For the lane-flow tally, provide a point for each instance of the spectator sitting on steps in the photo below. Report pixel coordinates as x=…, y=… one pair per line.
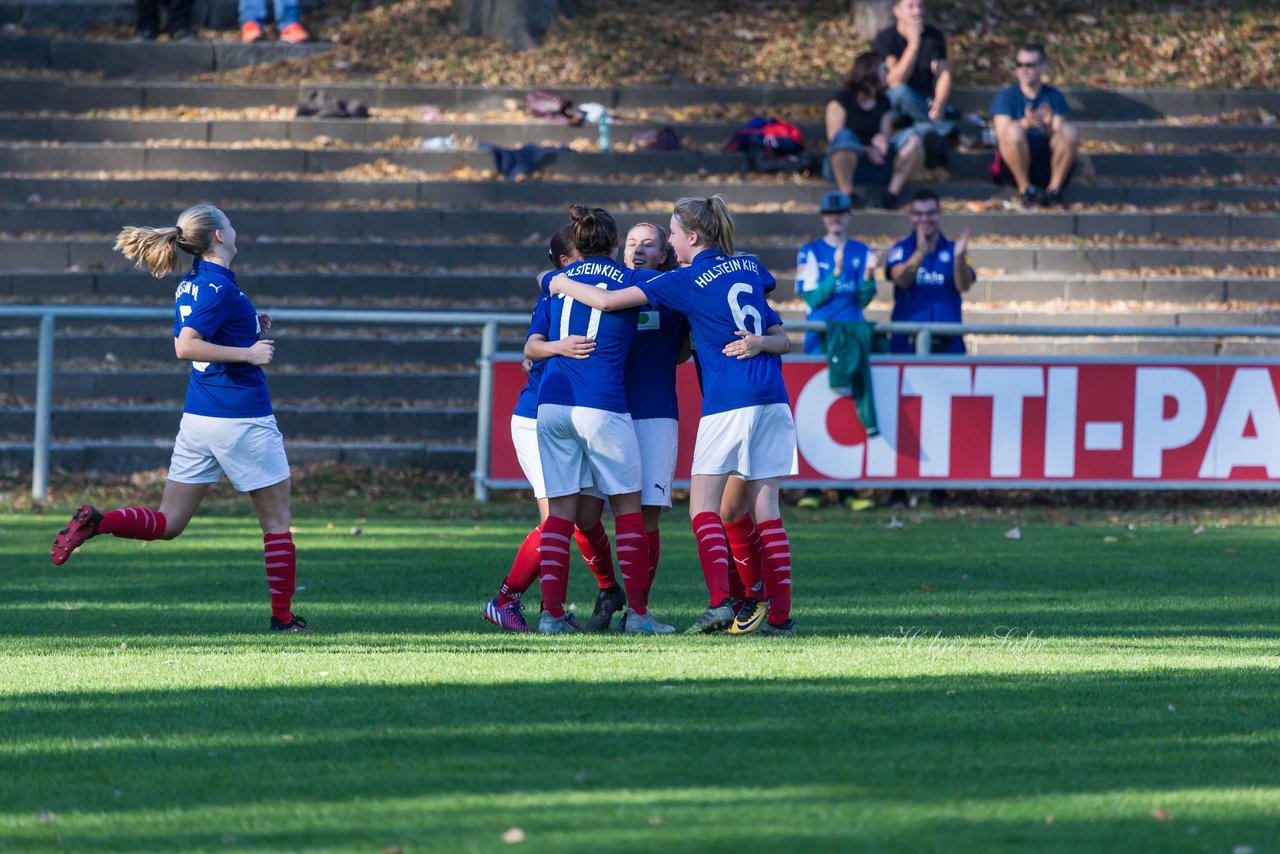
x=179, y=23
x=860, y=147
x=253, y=14
x=919, y=78
x=1037, y=143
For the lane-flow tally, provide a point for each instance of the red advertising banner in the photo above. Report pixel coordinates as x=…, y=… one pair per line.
x=998, y=422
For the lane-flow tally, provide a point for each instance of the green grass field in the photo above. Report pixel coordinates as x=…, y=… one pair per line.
x=1086, y=687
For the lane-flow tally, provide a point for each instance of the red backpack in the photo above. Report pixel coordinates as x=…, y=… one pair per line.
x=778, y=138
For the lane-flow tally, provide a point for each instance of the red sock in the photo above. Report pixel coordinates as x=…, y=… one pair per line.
x=713, y=555
x=655, y=549
x=777, y=569
x=633, y=559
x=553, y=548
x=594, y=545
x=133, y=523
x=282, y=573
x=523, y=570
x=744, y=545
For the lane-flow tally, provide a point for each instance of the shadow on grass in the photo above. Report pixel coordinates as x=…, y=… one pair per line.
x=547, y=754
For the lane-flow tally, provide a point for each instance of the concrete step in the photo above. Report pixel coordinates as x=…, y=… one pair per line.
x=651, y=193
x=28, y=158
x=19, y=93
x=535, y=211
x=23, y=252
x=117, y=456
x=138, y=59
x=463, y=291
x=292, y=351
x=70, y=128
x=73, y=387
x=347, y=422
x=71, y=16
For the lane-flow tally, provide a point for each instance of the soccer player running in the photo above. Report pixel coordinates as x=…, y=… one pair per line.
x=504, y=610
x=746, y=426
x=227, y=421
x=585, y=435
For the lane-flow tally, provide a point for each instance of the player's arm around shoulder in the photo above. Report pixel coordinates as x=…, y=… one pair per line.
x=593, y=297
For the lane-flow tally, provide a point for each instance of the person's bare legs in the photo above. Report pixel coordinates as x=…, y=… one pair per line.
x=179, y=503
x=843, y=164
x=906, y=163
x=1016, y=154
x=1062, y=146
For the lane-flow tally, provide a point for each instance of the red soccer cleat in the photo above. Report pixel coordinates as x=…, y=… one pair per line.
x=82, y=526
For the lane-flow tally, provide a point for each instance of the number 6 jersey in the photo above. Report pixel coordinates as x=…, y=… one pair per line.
x=721, y=294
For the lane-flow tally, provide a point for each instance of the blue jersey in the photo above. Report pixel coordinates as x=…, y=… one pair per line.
x=1012, y=101
x=209, y=302
x=933, y=298
x=539, y=324
x=651, y=365
x=815, y=262
x=721, y=294
x=596, y=382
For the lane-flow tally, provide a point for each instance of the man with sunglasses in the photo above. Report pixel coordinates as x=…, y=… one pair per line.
x=1037, y=143
x=929, y=273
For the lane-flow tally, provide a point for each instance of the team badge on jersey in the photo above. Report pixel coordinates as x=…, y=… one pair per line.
x=944, y=256
x=650, y=319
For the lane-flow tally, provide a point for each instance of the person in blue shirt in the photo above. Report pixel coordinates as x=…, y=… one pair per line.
x=228, y=426
x=1037, y=143
x=504, y=610
x=929, y=273
x=661, y=343
x=586, y=438
x=746, y=426
x=834, y=266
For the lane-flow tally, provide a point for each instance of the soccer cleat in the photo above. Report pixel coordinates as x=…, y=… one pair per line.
x=750, y=617
x=295, y=624
x=83, y=525
x=508, y=617
x=294, y=34
x=713, y=619
x=633, y=623
x=250, y=31
x=610, y=600
x=550, y=625
x=785, y=630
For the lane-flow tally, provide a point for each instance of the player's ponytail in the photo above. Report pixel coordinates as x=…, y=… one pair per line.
x=710, y=219
x=594, y=231
x=156, y=249
x=561, y=246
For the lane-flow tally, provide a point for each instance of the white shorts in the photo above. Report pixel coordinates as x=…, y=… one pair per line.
x=658, y=438
x=524, y=435
x=250, y=451
x=582, y=447
x=756, y=442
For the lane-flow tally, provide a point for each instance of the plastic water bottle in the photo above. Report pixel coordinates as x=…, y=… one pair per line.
x=605, y=140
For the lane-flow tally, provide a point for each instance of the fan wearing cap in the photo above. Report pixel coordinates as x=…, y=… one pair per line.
x=835, y=274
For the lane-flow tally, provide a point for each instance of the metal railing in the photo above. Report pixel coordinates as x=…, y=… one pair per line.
x=489, y=323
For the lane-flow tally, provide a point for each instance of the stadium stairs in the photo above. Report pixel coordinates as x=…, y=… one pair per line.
x=1175, y=223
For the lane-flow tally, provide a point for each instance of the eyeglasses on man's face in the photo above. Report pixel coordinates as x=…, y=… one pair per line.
x=1035, y=64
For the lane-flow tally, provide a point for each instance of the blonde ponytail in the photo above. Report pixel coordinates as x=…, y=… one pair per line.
x=156, y=249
